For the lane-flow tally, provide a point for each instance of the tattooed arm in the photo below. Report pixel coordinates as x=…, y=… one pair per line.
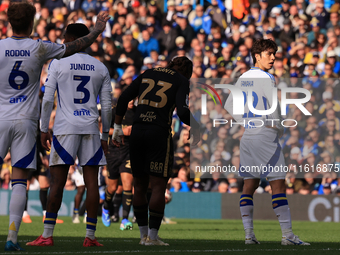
x=86, y=41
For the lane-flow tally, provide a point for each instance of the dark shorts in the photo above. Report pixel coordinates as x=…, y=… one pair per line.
x=118, y=161
x=40, y=171
x=151, y=151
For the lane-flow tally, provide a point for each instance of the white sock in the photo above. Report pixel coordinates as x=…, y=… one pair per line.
x=44, y=213
x=48, y=230
x=25, y=213
x=90, y=233
x=247, y=219
x=143, y=231
x=283, y=215
x=16, y=209
x=153, y=233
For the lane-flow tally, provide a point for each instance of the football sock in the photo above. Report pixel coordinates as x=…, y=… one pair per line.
x=16, y=208
x=143, y=230
x=43, y=198
x=49, y=224
x=75, y=211
x=247, y=208
x=155, y=220
x=108, y=199
x=141, y=214
x=26, y=201
x=153, y=233
x=281, y=209
x=117, y=201
x=127, y=201
x=91, y=224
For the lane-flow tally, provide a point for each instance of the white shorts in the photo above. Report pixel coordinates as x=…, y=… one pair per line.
x=78, y=178
x=20, y=136
x=261, y=157
x=65, y=149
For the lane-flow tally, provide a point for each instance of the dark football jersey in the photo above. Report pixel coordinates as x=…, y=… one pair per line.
x=159, y=91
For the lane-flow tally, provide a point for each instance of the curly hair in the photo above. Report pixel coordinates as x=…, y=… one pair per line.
x=183, y=65
x=262, y=45
x=21, y=16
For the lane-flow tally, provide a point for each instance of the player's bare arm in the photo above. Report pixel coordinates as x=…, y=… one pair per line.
x=86, y=41
x=104, y=146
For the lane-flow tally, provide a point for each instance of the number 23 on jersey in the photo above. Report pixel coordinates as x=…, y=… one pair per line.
x=151, y=84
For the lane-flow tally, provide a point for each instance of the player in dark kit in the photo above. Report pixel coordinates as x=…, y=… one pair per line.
x=118, y=165
x=159, y=92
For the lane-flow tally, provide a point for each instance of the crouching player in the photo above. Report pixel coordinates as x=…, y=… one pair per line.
x=78, y=80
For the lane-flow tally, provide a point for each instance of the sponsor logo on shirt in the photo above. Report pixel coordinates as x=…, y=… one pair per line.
x=149, y=116
x=82, y=112
x=18, y=99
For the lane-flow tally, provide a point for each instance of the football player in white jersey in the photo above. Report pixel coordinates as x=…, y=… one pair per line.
x=21, y=60
x=260, y=150
x=78, y=80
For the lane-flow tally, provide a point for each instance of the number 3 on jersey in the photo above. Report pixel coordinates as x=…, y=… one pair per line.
x=17, y=73
x=164, y=99
x=81, y=88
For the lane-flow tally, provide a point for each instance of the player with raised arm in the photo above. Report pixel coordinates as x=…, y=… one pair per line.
x=78, y=80
x=21, y=60
x=159, y=91
x=259, y=145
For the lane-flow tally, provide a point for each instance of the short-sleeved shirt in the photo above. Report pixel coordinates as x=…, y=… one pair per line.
x=260, y=84
x=78, y=80
x=21, y=60
x=159, y=91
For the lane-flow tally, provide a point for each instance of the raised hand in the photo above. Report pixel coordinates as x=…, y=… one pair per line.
x=102, y=18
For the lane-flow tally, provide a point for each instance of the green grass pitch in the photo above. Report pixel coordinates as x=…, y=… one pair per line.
x=188, y=236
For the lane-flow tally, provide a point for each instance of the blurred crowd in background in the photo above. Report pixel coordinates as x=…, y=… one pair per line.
x=217, y=36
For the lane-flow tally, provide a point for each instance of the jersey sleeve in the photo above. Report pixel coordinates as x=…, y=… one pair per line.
x=182, y=105
x=52, y=50
x=130, y=93
x=48, y=99
x=105, y=102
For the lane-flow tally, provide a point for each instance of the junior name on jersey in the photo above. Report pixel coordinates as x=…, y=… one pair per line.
x=85, y=67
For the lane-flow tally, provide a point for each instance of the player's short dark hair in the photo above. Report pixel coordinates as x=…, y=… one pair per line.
x=21, y=15
x=183, y=65
x=262, y=45
x=77, y=30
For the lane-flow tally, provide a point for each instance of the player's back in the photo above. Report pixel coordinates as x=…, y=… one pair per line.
x=157, y=97
x=80, y=79
x=260, y=84
x=21, y=60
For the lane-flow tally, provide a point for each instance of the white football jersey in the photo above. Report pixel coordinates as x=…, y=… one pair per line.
x=260, y=84
x=78, y=80
x=21, y=60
